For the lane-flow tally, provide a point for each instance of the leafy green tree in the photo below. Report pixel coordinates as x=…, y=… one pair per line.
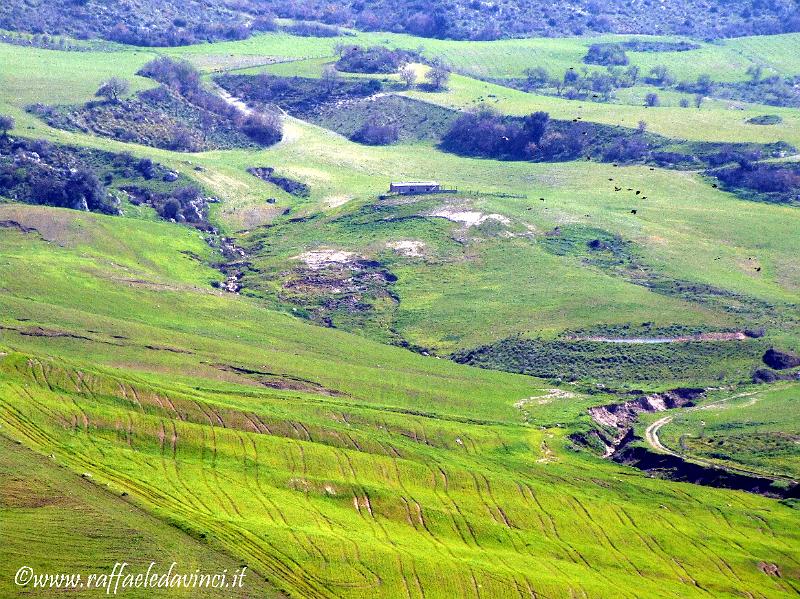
x=755, y=71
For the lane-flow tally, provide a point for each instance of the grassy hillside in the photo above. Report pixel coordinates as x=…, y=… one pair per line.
x=328, y=464
x=45, y=508
x=309, y=424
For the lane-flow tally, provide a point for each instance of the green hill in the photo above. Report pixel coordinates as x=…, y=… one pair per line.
x=258, y=356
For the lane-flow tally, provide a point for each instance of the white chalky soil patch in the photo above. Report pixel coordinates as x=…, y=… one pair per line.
x=468, y=217
x=317, y=259
x=407, y=247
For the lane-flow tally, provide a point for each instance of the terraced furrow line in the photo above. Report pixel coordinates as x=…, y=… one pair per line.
x=457, y=508
x=341, y=535
x=444, y=502
x=602, y=534
x=441, y=547
x=56, y=417
x=634, y=526
x=318, y=515
x=397, y=549
x=215, y=473
x=678, y=567
x=483, y=499
x=172, y=504
x=193, y=497
x=499, y=509
x=172, y=407
x=218, y=498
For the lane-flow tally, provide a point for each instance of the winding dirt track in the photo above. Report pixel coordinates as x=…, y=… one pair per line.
x=651, y=432
x=651, y=436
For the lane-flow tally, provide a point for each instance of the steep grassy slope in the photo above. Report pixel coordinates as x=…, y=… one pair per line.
x=53, y=520
x=331, y=465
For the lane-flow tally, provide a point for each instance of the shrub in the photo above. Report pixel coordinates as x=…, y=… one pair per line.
x=377, y=59
x=438, y=77
x=178, y=74
x=408, y=75
x=263, y=128
x=6, y=124
x=536, y=77
x=651, y=99
x=660, y=75
x=375, y=133
x=486, y=133
x=309, y=29
x=606, y=54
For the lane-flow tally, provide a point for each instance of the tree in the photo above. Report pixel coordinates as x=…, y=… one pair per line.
x=684, y=103
x=375, y=133
x=408, y=76
x=6, y=124
x=602, y=84
x=704, y=84
x=660, y=75
x=438, y=76
x=264, y=128
x=535, y=125
x=536, y=77
x=698, y=100
x=633, y=74
x=755, y=71
x=330, y=78
x=651, y=99
x=113, y=89
x=606, y=54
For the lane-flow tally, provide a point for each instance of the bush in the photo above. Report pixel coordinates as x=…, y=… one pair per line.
x=536, y=77
x=80, y=190
x=408, y=75
x=660, y=75
x=178, y=74
x=486, y=133
x=377, y=59
x=263, y=128
x=308, y=29
x=651, y=99
x=7, y=123
x=438, y=76
x=374, y=133
x=780, y=181
x=606, y=54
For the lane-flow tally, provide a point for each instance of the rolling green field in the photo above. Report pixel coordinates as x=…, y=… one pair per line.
x=344, y=466
x=282, y=427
